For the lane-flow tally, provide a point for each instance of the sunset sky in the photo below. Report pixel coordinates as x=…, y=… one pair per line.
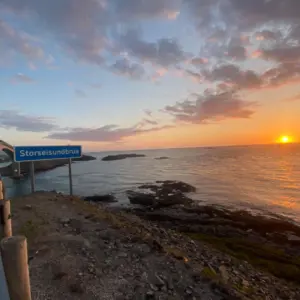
x=132, y=74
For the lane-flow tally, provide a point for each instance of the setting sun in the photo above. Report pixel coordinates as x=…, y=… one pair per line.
x=285, y=139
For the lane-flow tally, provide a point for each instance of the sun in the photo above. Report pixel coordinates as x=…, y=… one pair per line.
x=285, y=139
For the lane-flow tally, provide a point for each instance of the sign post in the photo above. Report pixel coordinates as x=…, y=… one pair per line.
x=70, y=177
x=32, y=177
x=39, y=153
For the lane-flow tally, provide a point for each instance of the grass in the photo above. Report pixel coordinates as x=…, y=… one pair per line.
x=266, y=257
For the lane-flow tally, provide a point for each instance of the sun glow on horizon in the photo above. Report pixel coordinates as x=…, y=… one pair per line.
x=285, y=139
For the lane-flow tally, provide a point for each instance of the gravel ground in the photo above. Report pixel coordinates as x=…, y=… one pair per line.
x=81, y=251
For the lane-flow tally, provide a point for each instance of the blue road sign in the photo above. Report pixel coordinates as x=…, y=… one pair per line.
x=36, y=153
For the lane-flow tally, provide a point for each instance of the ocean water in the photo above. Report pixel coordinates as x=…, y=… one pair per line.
x=264, y=179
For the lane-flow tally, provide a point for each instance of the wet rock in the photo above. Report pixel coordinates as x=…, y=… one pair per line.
x=109, y=198
x=163, y=194
x=141, y=198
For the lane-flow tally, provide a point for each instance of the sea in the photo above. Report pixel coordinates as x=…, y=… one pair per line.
x=264, y=179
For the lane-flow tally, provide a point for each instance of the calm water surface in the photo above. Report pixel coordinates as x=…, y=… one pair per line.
x=261, y=178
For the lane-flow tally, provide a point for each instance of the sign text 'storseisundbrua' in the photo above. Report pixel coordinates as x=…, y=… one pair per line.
x=35, y=153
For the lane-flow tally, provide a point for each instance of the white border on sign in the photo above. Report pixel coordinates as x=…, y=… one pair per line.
x=47, y=158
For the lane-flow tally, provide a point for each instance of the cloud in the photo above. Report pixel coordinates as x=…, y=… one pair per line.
x=232, y=74
x=108, y=133
x=149, y=122
x=137, y=9
x=237, y=52
x=281, y=74
x=165, y=52
x=196, y=77
x=80, y=29
x=80, y=93
x=294, y=98
x=18, y=42
x=211, y=108
x=148, y=112
x=21, y=78
x=129, y=69
x=199, y=61
x=283, y=54
x=267, y=35
x=10, y=119
x=158, y=74
x=84, y=30
x=96, y=85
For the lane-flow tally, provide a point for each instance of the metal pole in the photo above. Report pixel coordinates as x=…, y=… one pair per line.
x=70, y=176
x=32, y=177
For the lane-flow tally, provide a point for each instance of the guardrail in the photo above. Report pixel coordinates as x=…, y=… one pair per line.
x=14, y=255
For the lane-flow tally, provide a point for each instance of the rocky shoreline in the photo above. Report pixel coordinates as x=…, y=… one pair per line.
x=164, y=246
x=269, y=243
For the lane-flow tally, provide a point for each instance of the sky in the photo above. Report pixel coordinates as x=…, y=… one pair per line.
x=133, y=74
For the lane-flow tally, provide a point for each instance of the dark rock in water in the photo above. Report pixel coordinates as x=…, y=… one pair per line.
x=163, y=194
x=169, y=186
x=85, y=158
x=121, y=156
x=162, y=157
x=101, y=198
x=141, y=198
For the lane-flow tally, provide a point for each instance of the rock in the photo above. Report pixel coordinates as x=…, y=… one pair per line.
x=121, y=156
x=76, y=287
x=85, y=157
x=170, y=284
x=164, y=194
x=162, y=157
x=65, y=221
x=28, y=207
x=109, y=198
x=141, y=198
x=245, y=283
x=293, y=238
x=159, y=281
x=224, y=273
x=177, y=186
x=76, y=225
x=150, y=295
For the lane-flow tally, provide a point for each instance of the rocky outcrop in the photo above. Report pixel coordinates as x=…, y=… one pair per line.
x=162, y=194
x=121, y=156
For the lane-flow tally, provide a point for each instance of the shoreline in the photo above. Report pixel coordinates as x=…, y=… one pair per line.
x=44, y=166
x=74, y=243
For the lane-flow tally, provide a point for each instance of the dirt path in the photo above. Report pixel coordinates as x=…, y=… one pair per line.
x=81, y=251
